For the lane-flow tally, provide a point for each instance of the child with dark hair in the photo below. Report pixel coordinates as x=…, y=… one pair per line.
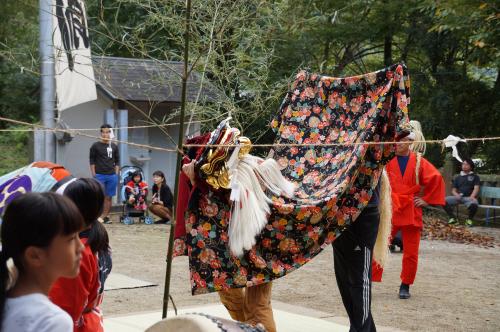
x=86, y=291
x=161, y=204
x=39, y=244
x=136, y=191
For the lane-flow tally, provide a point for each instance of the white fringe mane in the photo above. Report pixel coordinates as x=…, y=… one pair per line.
x=250, y=177
x=380, y=250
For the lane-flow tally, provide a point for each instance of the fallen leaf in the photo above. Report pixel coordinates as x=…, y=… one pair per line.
x=437, y=229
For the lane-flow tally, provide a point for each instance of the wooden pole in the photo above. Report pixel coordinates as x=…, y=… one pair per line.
x=180, y=141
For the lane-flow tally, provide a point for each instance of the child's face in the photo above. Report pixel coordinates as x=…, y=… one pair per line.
x=63, y=256
x=157, y=179
x=137, y=178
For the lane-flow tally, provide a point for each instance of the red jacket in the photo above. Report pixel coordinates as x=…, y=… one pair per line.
x=133, y=188
x=79, y=296
x=405, y=188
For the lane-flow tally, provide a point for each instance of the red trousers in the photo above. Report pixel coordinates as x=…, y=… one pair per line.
x=411, y=242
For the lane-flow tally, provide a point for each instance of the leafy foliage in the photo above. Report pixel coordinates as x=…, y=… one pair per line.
x=251, y=49
x=18, y=61
x=14, y=152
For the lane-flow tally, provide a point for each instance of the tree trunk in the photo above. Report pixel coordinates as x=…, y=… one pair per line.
x=388, y=50
x=344, y=61
x=409, y=41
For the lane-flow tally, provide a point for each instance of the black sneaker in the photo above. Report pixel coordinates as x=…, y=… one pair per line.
x=404, y=291
x=106, y=220
x=397, y=242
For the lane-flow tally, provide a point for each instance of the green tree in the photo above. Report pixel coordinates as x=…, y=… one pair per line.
x=250, y=51
x=18, y=81
x=19, y=60
x=231, y=46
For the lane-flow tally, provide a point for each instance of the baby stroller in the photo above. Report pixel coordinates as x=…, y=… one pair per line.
x=129, y=212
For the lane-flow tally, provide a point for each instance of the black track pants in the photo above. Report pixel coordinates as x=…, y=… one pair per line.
x=352, y=256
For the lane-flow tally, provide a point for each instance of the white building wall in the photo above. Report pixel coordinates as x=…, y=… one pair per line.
x=75, y=155
x=162, y=160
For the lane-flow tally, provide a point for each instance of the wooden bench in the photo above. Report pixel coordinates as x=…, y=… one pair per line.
x=491, y=194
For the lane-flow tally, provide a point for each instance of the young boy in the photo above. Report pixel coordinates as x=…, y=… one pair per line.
x=104, y=161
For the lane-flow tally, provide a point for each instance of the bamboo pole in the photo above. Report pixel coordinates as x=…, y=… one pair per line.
x=180, y=141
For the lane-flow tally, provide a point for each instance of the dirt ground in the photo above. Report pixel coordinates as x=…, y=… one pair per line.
x=457, y=286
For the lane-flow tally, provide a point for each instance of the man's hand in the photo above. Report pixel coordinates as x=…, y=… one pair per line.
x=419, y=202
x=475, y=193
x=188, y=169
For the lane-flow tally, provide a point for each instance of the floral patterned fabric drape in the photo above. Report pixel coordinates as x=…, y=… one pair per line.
x=335, y=180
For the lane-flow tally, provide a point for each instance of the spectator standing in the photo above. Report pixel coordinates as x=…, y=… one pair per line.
x=104, y=160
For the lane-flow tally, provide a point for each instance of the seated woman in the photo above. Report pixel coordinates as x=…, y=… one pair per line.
x=161, y=204
x=136, y=192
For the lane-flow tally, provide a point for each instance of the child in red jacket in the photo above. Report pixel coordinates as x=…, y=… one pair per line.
x=81, y=297
x=136, y=191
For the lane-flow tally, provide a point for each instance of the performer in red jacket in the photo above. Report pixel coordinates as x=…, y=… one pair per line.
x=415, y=183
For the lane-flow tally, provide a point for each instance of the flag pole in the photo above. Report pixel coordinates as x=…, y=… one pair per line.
x=47, y=85
x=180, y=141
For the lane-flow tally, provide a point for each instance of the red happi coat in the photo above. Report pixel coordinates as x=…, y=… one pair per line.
x=79, y=296
x=137, y=189
x=404, y=188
